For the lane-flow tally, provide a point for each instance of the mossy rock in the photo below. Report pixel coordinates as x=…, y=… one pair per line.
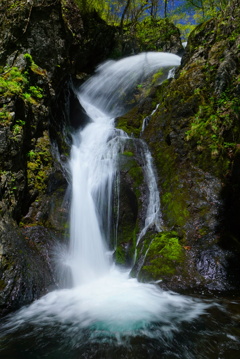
x=131, y=123
x=129, y=211
x=164, y=256
x=39, y=164
x=131, y=179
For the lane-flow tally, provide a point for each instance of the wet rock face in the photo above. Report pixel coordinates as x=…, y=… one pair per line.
x=26, y=270
x=131, y=198
x=42, y=44
x=59, y=39
x=193, y=137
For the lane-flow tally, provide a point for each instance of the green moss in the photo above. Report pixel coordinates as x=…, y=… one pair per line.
x=175, y=207
x=164, y=255
x=174, y=195
x=127, y=153
x=211, y=121
x=125, y=249
x=120, y=255
x=133, y=170
x=131, y=127
x=39, y=163
x=129, y=207
x=14, y=81
x=136, y=174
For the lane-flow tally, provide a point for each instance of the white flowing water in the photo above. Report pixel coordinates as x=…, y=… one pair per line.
x=103, y=297
x=148, y=118
x=153, y=217
x=93, y=162
x=92, y=168
x=114, y=80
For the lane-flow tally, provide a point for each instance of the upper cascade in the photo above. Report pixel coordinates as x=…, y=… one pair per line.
x=114, y=80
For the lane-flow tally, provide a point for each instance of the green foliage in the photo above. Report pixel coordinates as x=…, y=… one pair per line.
x=200, y=10
x=16, y=129
x=195, y=12
x=88, y=6
x=185, y=16
x=147, y=32
x=31, y=154
x=16, y=82
x=185, y=27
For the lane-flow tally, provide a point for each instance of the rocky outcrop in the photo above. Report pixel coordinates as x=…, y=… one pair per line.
x=42, y=44
x=194, y=139
x=27, y=271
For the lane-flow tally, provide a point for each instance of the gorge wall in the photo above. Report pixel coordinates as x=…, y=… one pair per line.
x=48, y=48
x=193, y=136
x=42, y=45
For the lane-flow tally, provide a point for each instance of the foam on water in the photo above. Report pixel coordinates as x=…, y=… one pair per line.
x=114, y=303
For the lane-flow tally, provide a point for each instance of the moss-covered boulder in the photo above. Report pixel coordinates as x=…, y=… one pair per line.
x=131, y=122
x=163, y=258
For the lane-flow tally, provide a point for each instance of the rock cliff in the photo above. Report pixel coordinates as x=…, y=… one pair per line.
x=194, y=139
x=42, y=45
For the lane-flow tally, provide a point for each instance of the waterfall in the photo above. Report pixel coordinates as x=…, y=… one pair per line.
x=153, y=215
x=104, y=305
x=94, y=159
x=114, y=81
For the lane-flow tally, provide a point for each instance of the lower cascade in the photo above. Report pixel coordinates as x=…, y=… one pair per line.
x=105, y=312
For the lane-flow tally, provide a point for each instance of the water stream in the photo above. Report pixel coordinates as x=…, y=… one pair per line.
x=105, y=313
